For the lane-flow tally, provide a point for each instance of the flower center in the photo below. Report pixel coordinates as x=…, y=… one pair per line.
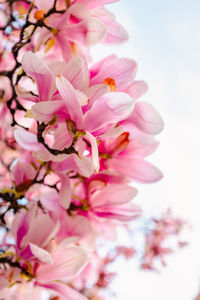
x=122, y=142
x=74, y=49
x=111, y=82
x=39, y=14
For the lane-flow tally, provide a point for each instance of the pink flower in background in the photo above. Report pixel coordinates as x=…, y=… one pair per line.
x=155, y=240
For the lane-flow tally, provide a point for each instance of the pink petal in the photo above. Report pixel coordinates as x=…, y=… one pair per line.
x=41, y=237
x=73, y=163
x=122, y=70
x=62, y=137
x=34, y=66
x=41, y=254
x=91, y=4
x=124, y=213
x=22, y=172
x=108, y=109
x=65, y=165
x=64, y=45
x=115, y=33
x=82, y=98
x=147, y=118
x=84, y=166
x=137, y=89
x=138, y=169
x=4, y=288
x=45, y=111
x=22, y=93
x=65, y=191
x=44, y=4
x=113, y=195
x=68, y=262
x=22, y=223
x=68, y=94
x=63, y=290
x=86, y=33
x=27, y=140
x=95, y=152
x=135, y=133
x=50, y=201
x=77, y=73
x=96, y=91
x=42, y=35
x=138, y=150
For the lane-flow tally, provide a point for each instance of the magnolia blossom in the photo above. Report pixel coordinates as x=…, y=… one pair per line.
x=42, y=260
x=82, y=25
x=70, y=106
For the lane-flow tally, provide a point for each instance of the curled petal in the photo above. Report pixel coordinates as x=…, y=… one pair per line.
x=38, y=70
x=147, y=118
x=41, y=254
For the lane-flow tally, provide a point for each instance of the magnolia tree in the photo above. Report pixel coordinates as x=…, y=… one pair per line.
x=73, y=136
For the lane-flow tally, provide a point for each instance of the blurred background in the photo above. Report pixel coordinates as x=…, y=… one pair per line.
x=165, y=41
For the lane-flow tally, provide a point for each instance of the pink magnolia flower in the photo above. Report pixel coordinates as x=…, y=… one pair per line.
x=76, y=26
x=115, y=33
x=119, y=75
x=26, y=230
x=128, y=158
x=111, y=202
x=68, y=261
x=107, y=110
x=50, y=265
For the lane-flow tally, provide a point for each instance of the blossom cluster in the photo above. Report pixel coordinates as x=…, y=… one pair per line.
x=156, y=248
x=73, y=137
